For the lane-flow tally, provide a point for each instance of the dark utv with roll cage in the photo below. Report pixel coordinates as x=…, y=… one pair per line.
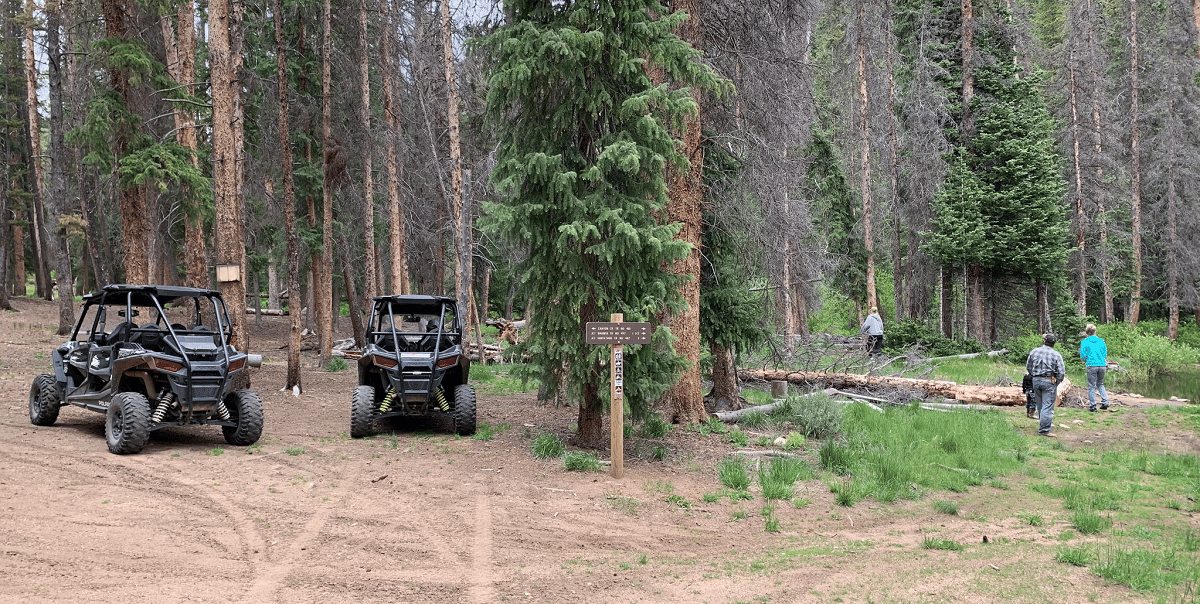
x=177, y=368
x=413, y=365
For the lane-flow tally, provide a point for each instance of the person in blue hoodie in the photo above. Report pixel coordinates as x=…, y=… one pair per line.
x=1094, y=353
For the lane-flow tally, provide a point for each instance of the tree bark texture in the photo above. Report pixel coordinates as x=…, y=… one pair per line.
x=293, y=379
x=323, y=291
x=37, y=230
x=367, y=150
x=685, y=190
x=397, y=237
x=224, y=53
x=864, y=157
x=1135, y=200
x=60, y=205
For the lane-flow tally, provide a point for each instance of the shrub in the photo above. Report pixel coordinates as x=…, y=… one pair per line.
x=818, y=415
x=911, y=332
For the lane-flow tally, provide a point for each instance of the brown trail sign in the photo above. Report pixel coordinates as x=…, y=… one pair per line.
x=616, y=334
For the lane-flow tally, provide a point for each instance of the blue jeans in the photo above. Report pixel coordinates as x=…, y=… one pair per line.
x=1045, y=391
x=1095, y=378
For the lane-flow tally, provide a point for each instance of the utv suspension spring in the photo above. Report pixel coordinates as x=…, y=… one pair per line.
x=440, y=397
x=165, y=401
x=386, y=405
x=222, y=410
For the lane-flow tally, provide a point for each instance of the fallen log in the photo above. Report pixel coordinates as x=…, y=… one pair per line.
x=992, y=395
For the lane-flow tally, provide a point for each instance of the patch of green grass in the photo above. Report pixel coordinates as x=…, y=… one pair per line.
x=1088, y=522
x=337, y=364
x=295, y=450
x=1032, y=519
x=485, y=431
x=500, y=380
x=216, y=451
x=943, y=544
x=943, y=506
x=1078, y=556
x=548, y=445
x=732, y=473
x=713, y=426
x=738, y=438
x=625, y=505
x=655, y=426
x=659, y=452
x=679, y=500
x=779, y=477
x=580, y=461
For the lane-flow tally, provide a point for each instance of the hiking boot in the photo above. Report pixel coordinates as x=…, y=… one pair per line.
x=1050, y=435
x=1091, y=409
x=1104, y=406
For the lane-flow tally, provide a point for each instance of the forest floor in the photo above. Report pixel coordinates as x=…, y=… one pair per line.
x=414, y=514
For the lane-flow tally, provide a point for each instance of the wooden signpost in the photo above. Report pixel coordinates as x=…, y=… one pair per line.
x=616, y=334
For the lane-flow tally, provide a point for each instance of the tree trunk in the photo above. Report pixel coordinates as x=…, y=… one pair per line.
x=397, y=236
x=367, y=149
x=685, y=190
x=324, y=289
x=1080, y=216
x=59, y=205
x=37, y=230
x=352, y=300
x=725, y=393
x=864, y=157
x=946, y=303
x=224, y=53
x=461, y=244
x=181, y=65
x=1135, y=204
x=591, y=418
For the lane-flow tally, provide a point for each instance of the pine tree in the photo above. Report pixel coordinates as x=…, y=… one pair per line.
x=583, y=146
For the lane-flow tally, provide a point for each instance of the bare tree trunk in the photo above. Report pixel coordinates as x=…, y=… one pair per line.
x=352, y=300
x=864, y=151
x=1098, y=145
x=1080, y=216
x=397, y=236
x=461, y=245
x=367, y=149
x=37, y=229
x=1135, y=296
x=324, y=289
x=225, y=18
x=685, y=190
x=181, y=65
x=1043, y=308
x=946, y=303
x=293, y=381
x=59, y=205
x=899, y=277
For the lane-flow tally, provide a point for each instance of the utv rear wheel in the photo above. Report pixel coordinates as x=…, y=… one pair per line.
x=362, y=405
x=127, y=423
x=464, y=409
x=246, y=408
x=44, y=401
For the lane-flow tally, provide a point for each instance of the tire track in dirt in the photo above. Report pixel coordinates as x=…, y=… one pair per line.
x=482, y=590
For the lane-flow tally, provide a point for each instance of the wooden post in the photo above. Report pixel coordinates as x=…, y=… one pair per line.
x=616, y=375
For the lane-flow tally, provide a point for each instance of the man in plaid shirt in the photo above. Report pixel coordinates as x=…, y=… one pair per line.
x=1047, y=368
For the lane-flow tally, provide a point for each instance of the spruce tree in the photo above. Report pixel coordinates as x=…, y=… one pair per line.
x=583, y=146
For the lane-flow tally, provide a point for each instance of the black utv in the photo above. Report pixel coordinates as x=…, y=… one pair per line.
x=151, y=357
x=413, y=365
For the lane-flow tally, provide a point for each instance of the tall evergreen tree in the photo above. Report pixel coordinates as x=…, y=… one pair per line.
x=584, y=143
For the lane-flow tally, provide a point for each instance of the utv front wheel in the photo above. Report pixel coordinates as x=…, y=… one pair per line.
x=127, y=423
x=464, y=409
x=44, y=401
x=246, y=407
x=361, y=407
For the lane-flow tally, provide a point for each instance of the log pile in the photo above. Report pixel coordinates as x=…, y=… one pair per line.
x=964, y=393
